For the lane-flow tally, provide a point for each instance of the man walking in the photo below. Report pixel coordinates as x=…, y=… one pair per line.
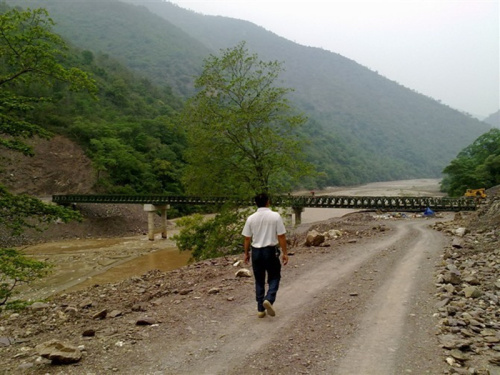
x=263, y=231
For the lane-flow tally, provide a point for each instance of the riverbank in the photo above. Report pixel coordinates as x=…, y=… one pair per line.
x=111, y=244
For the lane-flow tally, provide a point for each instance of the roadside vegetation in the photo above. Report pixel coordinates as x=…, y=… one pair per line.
x=31, y=56
x=242, y=140
x=476, y=166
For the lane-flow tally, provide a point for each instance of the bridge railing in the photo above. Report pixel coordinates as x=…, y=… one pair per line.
x=414, y=204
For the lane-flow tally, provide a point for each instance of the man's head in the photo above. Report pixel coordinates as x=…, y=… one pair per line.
x=261, y=200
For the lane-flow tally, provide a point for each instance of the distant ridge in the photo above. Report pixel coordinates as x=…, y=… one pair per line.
x=493, y=119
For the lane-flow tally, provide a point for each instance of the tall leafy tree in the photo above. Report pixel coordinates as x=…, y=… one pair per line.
x=30, y=56
x=241, y=128
x=476, y=166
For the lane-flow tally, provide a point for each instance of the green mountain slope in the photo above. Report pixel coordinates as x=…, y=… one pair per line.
x=398, y=132
x=363, y=126
x=132, y=34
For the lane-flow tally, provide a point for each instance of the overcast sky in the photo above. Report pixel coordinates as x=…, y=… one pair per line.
x=446, y=49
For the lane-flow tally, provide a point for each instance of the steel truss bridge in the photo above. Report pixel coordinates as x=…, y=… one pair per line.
x=401, y=204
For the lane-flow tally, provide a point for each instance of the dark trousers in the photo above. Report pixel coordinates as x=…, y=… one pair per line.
x=266, y=260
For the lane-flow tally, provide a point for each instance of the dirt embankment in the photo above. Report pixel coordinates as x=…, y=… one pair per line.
x=58, y=167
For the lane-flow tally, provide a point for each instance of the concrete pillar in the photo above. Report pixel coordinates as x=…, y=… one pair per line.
x=298, y=214
x=164, y=221
x=151, y=209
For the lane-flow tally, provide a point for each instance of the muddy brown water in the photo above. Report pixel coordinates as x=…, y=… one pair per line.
x=77, y=264
x=163, y=260
x=81, y=263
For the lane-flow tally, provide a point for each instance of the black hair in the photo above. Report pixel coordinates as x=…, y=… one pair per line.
x=261, y=200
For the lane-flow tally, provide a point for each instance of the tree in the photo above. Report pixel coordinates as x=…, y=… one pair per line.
x=30, y=56
x=16, y=269
x=476, y=166
x=242, y=136
x=212, y=237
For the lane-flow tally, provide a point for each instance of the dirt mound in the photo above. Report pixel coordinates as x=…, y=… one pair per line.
x=487, y=217
x=59, y=167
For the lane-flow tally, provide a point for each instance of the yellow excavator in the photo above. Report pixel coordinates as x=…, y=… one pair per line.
x=475, y=193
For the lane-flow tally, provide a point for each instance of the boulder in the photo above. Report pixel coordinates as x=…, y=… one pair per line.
x=472, y=292
x=452, y=277
x=460, y=232
x=457, y=243
x=314, y=238
x=59, y=352
x=37, y=306
x=334, y=233
x=244, y=272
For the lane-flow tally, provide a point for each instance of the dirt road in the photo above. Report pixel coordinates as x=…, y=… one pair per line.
x=362, y=306
x=365, y=308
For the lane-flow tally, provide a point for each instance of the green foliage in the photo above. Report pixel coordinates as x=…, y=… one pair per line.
x=212, y=237
x=128, y=133
x=241, y=129
x=18, y=212
x=17, y=269
x=30, y=55
x=476, y=166
x=142, y=156
x=16, y=305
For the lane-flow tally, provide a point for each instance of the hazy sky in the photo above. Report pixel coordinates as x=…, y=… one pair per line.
x=446, y=49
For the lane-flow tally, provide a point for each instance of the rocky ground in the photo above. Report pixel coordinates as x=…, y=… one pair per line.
x=469, y=291
x=118, y=328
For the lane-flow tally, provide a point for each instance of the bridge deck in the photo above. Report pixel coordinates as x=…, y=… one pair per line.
x=405, y=204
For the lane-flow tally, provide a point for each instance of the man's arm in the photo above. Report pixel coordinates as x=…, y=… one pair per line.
x=246, y=246
x=282, y=241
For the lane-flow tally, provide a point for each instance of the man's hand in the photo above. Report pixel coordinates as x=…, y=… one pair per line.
x=285, y=259
x=282, y=241
x=246, y=247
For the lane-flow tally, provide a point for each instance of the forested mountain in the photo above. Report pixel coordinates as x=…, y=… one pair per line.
x=363, y=127
x=126, y=128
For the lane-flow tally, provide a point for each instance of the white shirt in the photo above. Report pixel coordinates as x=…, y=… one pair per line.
x=264, y=226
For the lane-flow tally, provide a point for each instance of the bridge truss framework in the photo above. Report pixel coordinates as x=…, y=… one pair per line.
x=161, y=203
x=404, y=204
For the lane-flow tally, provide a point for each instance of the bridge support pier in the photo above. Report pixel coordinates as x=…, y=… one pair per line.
x=151, y=209
x=298, y=214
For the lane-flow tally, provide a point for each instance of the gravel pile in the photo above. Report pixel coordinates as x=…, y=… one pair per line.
x=469, y=289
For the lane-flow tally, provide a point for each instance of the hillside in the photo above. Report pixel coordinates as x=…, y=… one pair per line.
x=493, y=119
x=363, y=127
x=382, y=119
